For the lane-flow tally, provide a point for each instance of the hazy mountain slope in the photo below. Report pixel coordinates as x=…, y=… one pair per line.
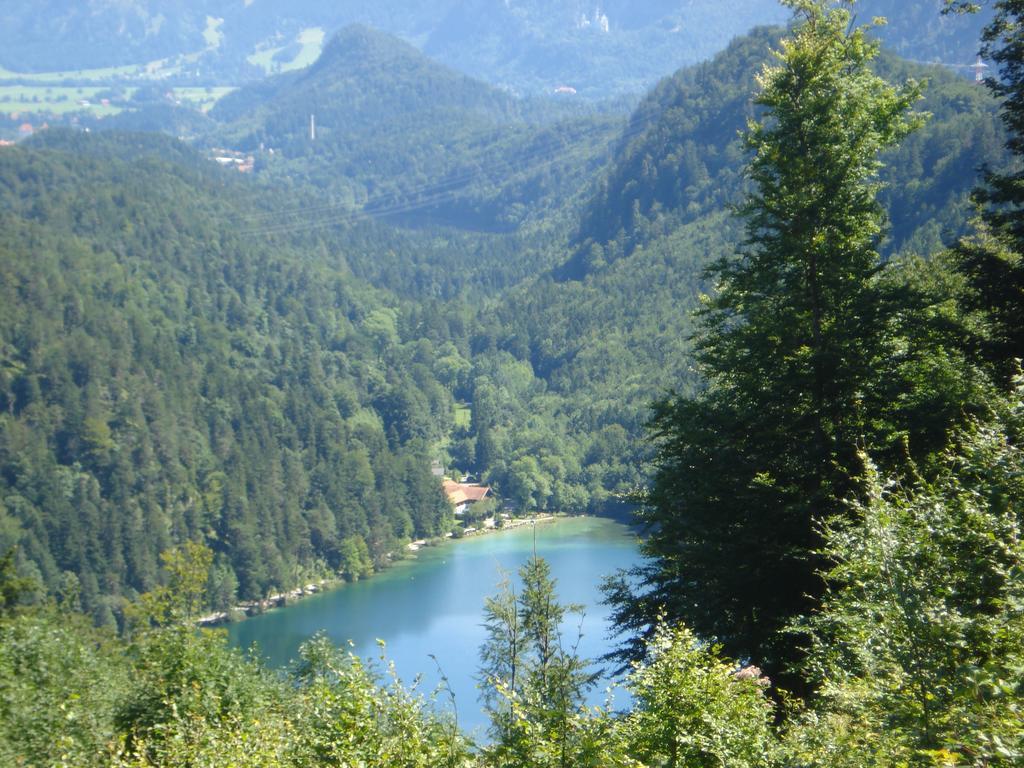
x=403, y=136
x=683, y=156
x=919, y=31
x=48, y=35
x=362, y=78
x=598, y=47
x=595, y=47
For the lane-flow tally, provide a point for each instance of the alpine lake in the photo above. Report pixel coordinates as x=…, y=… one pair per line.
x=425, y=614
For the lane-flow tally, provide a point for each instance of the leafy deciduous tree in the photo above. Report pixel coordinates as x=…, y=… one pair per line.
x=919, y=647
x=693, y=709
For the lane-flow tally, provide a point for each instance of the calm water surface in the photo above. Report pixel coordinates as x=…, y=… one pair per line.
x=433, y=605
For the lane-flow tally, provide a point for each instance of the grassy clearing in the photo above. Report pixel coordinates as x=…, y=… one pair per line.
x=312, y=42
x=202, y=98
x=97, y=75
x=463, y=415
x=153, y=70
x=264, y=59
x=53, y=99
x=60, y=100
x=213, y=34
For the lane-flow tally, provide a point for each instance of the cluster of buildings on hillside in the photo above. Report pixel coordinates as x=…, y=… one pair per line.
x=25, y=129
x=228, y=158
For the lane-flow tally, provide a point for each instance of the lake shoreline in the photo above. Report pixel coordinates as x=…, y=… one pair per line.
x=429, y=611
x=252, y=608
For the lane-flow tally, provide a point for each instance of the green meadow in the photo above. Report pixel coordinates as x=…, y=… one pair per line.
x=312, y=42
x=53, y=99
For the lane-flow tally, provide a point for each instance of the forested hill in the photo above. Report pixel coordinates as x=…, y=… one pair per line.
x=682, y=156
x=404, y=136
x=920, y=32
x=362, y=78
x=163, y=377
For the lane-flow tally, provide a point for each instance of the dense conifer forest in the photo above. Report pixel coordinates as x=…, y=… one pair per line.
x=166, y=379
x=773, y=308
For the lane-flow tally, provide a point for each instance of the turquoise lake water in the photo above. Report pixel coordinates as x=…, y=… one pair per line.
x=433, y=604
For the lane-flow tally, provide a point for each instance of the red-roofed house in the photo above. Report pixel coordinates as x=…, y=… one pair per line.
x=463, y=495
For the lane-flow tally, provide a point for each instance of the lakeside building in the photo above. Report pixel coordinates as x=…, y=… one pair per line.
x=464, y=495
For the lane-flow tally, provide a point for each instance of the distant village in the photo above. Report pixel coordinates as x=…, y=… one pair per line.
x=24, y=129
x=240, y=161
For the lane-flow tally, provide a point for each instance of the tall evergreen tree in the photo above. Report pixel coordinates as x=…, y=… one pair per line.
x=794, y=348
x=532, y=683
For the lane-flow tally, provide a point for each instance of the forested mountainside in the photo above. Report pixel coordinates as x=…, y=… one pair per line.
x=348, y=78
x=167, y=378
x=597, y=48
x=683, y=155
x=919, y=31
x=219, y=332
x=834, y=559
x=608, y=331
x=374, y=123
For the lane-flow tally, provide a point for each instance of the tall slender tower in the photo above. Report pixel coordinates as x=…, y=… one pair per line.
x=312, y=127
x=979, y=70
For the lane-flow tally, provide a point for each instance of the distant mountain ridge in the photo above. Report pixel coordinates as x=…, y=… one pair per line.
x=48, y=35
x=361, y=78
x=597, y=47
x=593, y=46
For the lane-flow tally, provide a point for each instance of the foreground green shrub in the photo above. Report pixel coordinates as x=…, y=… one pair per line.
x=694, y=710
x=919, y=648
